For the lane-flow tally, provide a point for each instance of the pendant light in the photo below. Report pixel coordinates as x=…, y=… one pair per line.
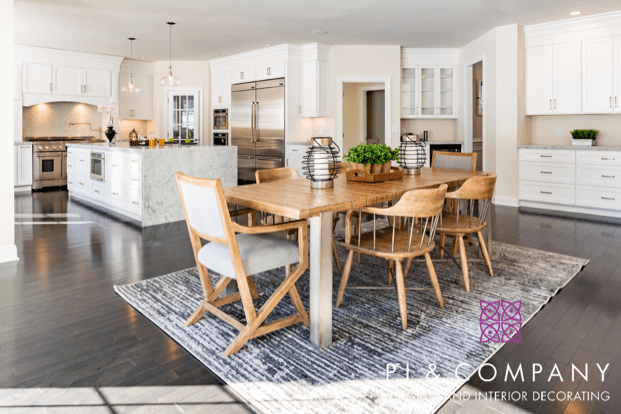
x=130, y=86
x=170, y=79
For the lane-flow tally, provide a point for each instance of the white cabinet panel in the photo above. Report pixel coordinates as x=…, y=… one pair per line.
x=548, y=193
x=82, y=163
x=23, y=161
x=135, y=180
x=409, y=92
x=447, y=92
x=597, y=76
x=71, y=182
x=617, y=73
x=67, y=80
x=142, y=100
x=548, y=172
x=99, y=190
x=135, y=202
x=539, y=80
x=600, y=176
x=548, y=156
x=37, y=78
x=567, y=78
x=607, y=198
x=135, y=161
x=271, y=71
x=117, y=194
x=116, y=166
x=243, y=75
x=221, y=90
x=314, y=80
x=98, y=82
x=83, y=185
x=599, y=158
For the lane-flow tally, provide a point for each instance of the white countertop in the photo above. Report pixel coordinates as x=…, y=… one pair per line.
x=22, y=143
x=125, y=147
x=569, y=147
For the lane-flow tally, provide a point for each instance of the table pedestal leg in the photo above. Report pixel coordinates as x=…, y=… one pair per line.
x=321, y=280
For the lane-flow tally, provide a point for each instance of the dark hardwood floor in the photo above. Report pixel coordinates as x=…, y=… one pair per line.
x=62, y=325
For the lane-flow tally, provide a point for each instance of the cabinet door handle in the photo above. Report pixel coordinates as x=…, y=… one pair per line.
x=608, y=176
x=241, y=75
x=545, y=156
x=550, y=104
x=610, y=100
x=219, y=99
x=555, y=104
x=546, y=192
x=608, y=159
x=608, y=198
x=135, y=202
x=416, y=110
x=300, y=110
x=616, y=103
x=135, y=179
x=269, y=71
x=546, y=172
x=134, y=160
x=50, y=86
x=287, y=162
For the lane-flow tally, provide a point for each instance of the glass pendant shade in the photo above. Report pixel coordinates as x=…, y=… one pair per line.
x=130, y=86
x=170, y=79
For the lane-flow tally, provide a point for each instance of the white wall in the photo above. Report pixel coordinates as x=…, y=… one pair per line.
x=8, y=251
x=544, y=128
x=191, y=73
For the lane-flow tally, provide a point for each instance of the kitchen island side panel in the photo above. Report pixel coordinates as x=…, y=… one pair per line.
x=160, y=195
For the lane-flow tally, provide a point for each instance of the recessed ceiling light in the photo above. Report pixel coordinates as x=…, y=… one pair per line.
x=319, y=32
x=575, y=13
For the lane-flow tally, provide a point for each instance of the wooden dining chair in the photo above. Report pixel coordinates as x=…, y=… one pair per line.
x=459, y=225
x=396, y=245
x=237, y=252
x=288, y=173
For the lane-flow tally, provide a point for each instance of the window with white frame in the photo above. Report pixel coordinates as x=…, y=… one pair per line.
x=183, y=120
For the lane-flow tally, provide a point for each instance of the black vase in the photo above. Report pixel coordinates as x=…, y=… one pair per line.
x=110, y=133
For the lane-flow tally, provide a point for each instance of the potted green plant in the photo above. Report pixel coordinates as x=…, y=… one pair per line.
x=371, y=157
x=583, y=137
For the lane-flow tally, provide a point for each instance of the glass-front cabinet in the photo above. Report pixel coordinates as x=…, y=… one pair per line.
x=428, y=92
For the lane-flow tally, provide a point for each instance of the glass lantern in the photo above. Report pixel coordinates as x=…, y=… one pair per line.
x=321, y=162
x=412, y=151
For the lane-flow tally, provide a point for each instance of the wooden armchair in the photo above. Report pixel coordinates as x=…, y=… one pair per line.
x=397, y=245
x=461, y=225
x=238, y=256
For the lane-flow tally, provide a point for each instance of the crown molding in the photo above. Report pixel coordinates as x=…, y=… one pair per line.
x=274, y=52
x=33, y=54
x=429, y=56
x=573, y=24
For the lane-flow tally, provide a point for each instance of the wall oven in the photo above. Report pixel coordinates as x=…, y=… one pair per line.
x=98, y=165
x=220, y=138
x=220, y=119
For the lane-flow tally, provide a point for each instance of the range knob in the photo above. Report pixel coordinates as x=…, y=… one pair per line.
x=46, y=147
x=40, y=147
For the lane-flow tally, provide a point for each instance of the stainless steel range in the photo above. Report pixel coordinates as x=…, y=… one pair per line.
x=49, y=160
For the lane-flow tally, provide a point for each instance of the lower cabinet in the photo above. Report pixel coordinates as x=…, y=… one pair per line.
x=584, y=181
x=294, y=157
x=22, y=166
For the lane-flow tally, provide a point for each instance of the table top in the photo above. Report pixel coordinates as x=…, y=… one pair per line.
x=296, y=200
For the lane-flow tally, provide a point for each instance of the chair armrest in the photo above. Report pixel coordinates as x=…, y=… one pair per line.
x=272, y=228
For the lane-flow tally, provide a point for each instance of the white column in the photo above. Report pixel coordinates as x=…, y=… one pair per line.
x=321, y=280
x=8, y=251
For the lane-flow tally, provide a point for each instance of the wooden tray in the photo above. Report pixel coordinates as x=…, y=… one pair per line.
x=366, y=177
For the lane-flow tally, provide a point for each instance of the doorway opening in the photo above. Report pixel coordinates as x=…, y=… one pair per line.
x=475, y=111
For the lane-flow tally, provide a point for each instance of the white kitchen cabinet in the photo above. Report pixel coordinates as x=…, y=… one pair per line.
x=540, y=80
x=271, y=71
x=437, y=91
x=314, y=84
x=23, y=164
x=37, y=78
x=294, y=156
x=567, y=79
x=409, y=92
x=67, y=80
x=136, y=105
x=97, y=82
x=221, y=90
x=617, y=73
x=243, y=75
x=428, y=91
x=597, y=76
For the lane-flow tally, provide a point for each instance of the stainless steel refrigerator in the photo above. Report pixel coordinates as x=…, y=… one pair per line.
x=258, y=126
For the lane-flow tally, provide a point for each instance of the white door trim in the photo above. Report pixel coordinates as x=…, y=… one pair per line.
x=362, y=108
x=339, y=103
x=188, y=89
x=468, y=86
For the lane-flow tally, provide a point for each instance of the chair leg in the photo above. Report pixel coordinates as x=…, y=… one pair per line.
x=408, y=263
x=434, y=279
x=469, y=238
x=335, y=253
x=197, y=315
x=441, y=248
x=403, y=310
x=344, y=278
x=253, y=289
x=389, y=265
x=287, y=270
x=299, y=306
x=464, y=262
x=485, y=254
x=455, y=246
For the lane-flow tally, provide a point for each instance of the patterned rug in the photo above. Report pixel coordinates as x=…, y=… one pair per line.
x=282, y=373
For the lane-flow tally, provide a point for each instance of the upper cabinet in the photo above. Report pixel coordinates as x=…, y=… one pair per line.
x=66, y=80
x=136, y=105
x=221, y=90
x=428, y=92
x=409, y=92
x=37, y=78
x=97, y=82
x=553, y=79
x=314, y=79
x=244, y=75
x=573, y=66
x=271, y=71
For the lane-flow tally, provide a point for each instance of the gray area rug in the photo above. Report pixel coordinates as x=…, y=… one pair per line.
x=282, y=373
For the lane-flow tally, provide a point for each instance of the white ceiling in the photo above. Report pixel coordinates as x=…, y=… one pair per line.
x=208, y=29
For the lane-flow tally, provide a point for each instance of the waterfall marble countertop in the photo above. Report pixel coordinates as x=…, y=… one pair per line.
x=125, y=147
x=569, y=147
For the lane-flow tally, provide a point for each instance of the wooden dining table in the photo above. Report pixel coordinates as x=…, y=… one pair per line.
x=296, y=200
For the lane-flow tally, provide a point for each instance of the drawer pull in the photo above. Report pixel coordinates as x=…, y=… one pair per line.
x=135, y=179
x=115, y=165
x=81, y=160
x=81, y=183
x=608, y=176
x=546, y=172
x=134, y=160
x=135, y=202
x=608, y=159
x=97, y=191
x=545, y=156
x=70, y=182
x=116, y=194
x=608, y=198
x=546, y=192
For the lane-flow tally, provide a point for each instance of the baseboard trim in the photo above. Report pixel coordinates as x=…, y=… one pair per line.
x=506, y=201
x=8, y=254
x=583, y=213
x=23, y=189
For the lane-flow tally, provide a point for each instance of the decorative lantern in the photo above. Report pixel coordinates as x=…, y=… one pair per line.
x=412, y=153
x=321, y=163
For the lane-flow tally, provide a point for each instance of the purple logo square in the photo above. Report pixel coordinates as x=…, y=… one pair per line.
x=501, y=321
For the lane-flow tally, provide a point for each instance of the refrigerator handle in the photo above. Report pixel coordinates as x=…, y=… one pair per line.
x=252, y=124
x=256, y=121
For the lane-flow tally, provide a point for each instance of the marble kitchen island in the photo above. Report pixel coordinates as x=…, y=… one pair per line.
x=139, y=182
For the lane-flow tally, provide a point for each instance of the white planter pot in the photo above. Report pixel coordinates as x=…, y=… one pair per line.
x=584, y=142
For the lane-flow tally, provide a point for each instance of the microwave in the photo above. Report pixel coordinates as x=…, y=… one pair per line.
x=220, y=139
x=220, y=119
